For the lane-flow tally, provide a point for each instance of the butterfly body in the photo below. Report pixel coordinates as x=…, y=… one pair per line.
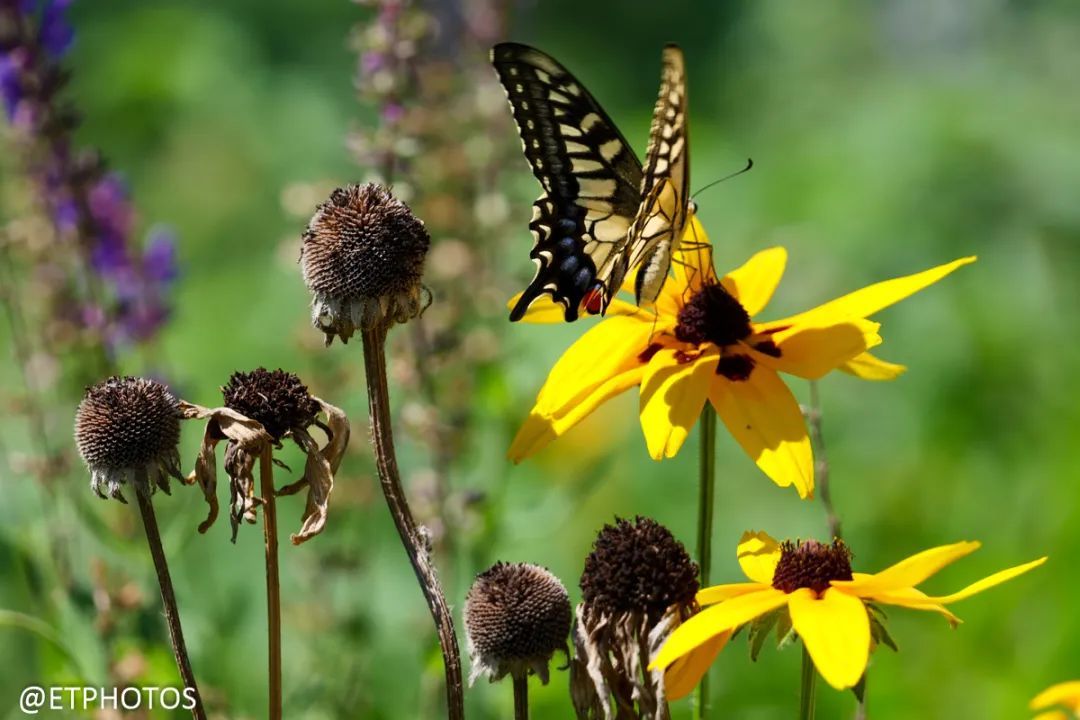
x=601, y=213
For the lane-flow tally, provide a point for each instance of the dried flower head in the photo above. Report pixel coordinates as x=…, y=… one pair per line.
x=516, y=616
x=638, y=585
x=362, y=258
x=638, y=567
x=263, y=408
x=127, y=430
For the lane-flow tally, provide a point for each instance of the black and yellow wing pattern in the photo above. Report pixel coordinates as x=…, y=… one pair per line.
x=590, y=176
x=665, y=202
x=600, y=213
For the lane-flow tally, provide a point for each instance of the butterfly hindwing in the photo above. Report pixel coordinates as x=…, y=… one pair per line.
x=590, y=175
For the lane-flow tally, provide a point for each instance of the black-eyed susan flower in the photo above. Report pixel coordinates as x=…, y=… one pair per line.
x=700, y=342
x=638, y=585
x=1058, y=702
x=263, y=408
x=829, y=605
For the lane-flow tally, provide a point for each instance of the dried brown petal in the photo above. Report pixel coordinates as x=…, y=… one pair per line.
x=319, y=470
x=243, y=434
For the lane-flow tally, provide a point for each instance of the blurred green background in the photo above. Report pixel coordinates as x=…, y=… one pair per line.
x=887, y=137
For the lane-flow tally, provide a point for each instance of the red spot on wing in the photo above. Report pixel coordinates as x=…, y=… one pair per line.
x=593, y=301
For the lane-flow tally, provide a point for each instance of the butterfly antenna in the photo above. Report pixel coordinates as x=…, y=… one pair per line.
x=749, y=164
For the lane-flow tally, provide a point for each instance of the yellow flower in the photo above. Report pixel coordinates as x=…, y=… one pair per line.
x=1066, y=695
x=700, y=341
x=827, y=603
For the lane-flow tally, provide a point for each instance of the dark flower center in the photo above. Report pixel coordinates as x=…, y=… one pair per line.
x=276, y=399
x=811, y=564
x=713, y=315
x=640, y=567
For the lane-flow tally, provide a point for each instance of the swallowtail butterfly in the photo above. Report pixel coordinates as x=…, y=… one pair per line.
x=601, y=213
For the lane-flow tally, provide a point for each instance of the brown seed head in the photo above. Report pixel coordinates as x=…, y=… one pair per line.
x=638, y=567
x=362, y=259
x=128, y=428
x=516, y=616
x=811, y=564
x=277, y=399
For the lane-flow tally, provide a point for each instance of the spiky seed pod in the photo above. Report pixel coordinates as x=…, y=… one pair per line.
x=638, y=567
x=127, y=430
x=516, y=616
x=277, y=399
x=362, y=259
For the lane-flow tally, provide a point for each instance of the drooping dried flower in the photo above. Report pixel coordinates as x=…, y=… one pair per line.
x=127, y=430
x=516, y=616
x=638, y=584
x=362, y=258
x=263, y=408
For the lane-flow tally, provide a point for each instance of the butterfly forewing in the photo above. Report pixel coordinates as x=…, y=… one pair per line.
x=659, y=223
x=591, y=179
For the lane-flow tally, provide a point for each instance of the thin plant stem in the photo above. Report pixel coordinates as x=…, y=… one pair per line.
x=807, y=687
x=521, y=697
x=168, y=598
x=821, y=461
x=821, y=474
x=706, y=491
x=273, y=583
x=416, y=545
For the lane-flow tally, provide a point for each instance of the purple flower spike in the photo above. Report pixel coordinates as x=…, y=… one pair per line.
x=10, y=87
x=56, y=32
x=159, y=258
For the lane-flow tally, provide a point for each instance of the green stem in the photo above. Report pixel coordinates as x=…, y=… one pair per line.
x=807, y=687
x=821, y=461
x=706, y=491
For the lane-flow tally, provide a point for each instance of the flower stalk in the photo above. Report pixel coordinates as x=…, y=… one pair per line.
x=706, y=493
x=807, y=687
x=273, y=584
x=374, y=341
x=168, y=601
x=821, y=461
x=521, y=697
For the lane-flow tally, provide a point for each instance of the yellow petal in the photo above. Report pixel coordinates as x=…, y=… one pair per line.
x=720, y=593
x=538, y=429
x=836, y=631
x=864, y=303
x=753, y=284
x=685, y=673
x=1066, y=694
x=810, y=351
x=1052, y=715
x=870, y=367
x=909, y=572
x=913, y=599
x=607, y=349
x=673, y=392
x=544, y=310
x=764, y=418
x=712, y=621
x=986, y=583
x=758, y=554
